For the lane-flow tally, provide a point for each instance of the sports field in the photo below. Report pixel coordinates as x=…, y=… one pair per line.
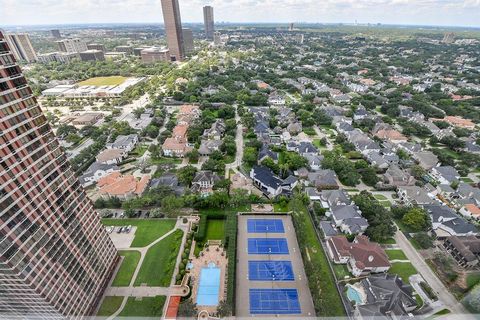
x=103, y=81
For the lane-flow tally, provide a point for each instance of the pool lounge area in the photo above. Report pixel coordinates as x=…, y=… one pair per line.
x=209, y=286
x=354, y=294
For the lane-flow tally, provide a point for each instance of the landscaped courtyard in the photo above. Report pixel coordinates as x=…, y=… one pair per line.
x=127, y=268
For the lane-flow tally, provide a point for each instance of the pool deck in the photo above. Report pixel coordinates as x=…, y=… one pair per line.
x=212, y=255
x=242, y=306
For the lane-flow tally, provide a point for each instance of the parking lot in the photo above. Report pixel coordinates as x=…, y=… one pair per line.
x=121, y=240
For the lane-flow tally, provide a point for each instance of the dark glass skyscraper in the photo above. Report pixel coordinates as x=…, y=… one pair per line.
x=173, y=28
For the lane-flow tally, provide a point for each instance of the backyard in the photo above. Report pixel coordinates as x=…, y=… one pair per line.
x=403, y=269
x=148, y=230
x=159, y=263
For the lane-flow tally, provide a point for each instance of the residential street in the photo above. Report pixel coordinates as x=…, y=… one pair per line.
x=442, y=292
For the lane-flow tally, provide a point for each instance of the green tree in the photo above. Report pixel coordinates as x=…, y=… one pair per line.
x=416, y=219
x=186, y=174
x=423, y=240
x=171, y=204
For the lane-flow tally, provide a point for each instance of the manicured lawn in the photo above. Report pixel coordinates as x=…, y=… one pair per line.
x=157, y=267
x=148, y=230
x=103, y=81
x=341, y=271
x=472, y=280
x=380, y=197
x=396, y=255
x=388, y=241
x=279, y=208
x=165, y=160
x=216, y=211
x=325, y=296
x=403, y=269
x=215, y=229
x=147, y=307
x=129, y=264
x=139, y=150
x=109, y=306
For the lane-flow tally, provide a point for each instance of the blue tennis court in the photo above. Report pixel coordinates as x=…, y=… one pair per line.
x=274, y=301
x=270, y=271
x=265, y=226
x=267, y=246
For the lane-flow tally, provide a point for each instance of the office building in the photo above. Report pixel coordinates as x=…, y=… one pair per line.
x=72, y=45
x=209, y=22
x=217, y=38
x=62, y=57
x=187, y=40
x=56, y=33
x=173, y=29
x=154, y=54
x=96, y=46
x=21, y=47
x=92, y=55
x=125, y=49
x=55, y=256
x=448, y=37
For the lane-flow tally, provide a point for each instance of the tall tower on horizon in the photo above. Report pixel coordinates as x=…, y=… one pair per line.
x=208, y=20
x=55, y=256
x=21, y=47
x=173, y=28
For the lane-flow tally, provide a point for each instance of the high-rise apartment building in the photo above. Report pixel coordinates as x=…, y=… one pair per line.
x=72, y=45
x=96, y=46
x=21, y=47
x=173, y=28
x=55, y=256
x=208, y=21
x=56, y=33
x=187, y=40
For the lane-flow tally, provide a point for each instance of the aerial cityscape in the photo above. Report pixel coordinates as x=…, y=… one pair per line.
x=284, y=167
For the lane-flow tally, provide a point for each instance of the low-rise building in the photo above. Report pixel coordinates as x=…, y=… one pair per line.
x=111, y=156
x=204, y=181
x=465, y=250
x=122, y=187
x=95, y=172
x=126, y=143
x=361, y=256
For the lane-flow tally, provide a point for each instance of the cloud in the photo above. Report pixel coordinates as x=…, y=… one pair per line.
x=441, y=12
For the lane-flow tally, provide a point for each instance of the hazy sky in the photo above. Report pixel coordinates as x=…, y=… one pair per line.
x=424, y=12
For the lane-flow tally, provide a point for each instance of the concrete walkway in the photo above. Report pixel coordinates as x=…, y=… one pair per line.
x=424, y=270
x=239, y=145
x=145, y=291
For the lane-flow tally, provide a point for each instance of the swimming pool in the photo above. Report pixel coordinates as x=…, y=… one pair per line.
x=354, y=295
x=209, y=286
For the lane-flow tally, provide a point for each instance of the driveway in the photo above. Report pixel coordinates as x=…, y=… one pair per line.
x=424, y=270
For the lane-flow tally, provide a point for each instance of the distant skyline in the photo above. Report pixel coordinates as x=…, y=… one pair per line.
x=408, y=12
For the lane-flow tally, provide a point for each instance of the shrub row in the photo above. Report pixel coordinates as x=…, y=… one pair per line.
x=231, y=246
x=202, y=228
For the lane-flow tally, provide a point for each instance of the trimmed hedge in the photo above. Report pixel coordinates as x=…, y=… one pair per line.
x=202, y=228
x=231, y=246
